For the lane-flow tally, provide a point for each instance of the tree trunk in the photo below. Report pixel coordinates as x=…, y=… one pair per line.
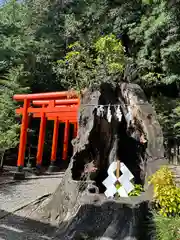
x=2, y=159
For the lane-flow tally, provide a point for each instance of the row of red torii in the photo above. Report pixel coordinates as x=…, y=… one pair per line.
x=61, y=107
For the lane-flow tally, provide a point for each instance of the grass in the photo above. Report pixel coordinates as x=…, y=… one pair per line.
x=168, y=228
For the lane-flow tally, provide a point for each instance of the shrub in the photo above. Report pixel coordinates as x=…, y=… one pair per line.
x=167, y=228
x=136, y=192
x=166, y=193
x=84, y=66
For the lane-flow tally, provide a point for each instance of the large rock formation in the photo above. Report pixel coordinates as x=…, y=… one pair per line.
x=132, y=135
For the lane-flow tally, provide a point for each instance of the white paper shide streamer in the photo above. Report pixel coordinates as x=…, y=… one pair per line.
x=129, y=117
x=118, y=114
x=100, y=111
x=109, y=115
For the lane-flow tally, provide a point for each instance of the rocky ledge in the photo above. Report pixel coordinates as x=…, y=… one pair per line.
x=115, y=122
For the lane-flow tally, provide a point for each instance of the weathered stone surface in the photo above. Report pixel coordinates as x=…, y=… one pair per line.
x=99, y=143
x=145, y=115
x=105, y=219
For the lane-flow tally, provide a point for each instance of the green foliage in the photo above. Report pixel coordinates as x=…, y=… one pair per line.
x=88, y=67
x=76, y=69
x=167, y=228
x=118, y=185
x=168, y=115
x=35, y=34
x=137, y=190
x=110, y=53
x=26, y=55
x=149, y=31
x=176, y=112
x=166, y=193
x=9, y=129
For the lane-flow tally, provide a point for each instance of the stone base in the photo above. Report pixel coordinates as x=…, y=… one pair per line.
x=29, y=166
x=38, y=170
x=19, y=175
x=1, y=169
x=52, y=168
x=109, y=220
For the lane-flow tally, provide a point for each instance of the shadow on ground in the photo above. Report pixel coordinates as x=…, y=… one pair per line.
x=111, y=220
x=14, y=227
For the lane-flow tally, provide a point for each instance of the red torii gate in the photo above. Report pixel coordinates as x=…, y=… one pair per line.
x=56, y=106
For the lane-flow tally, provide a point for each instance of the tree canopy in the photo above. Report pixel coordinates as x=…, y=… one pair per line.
x=53, y=45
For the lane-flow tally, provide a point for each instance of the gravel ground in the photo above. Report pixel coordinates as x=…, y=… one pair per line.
x=13, y=196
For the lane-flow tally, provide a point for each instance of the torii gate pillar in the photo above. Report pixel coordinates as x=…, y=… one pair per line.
x=23, y=139
x=52, y=166
x=56, y=106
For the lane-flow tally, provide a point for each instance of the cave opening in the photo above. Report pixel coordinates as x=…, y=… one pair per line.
x=131, y=151
x=97, y=151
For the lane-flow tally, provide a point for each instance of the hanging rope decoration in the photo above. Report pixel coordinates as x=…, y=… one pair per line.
x=101, y=112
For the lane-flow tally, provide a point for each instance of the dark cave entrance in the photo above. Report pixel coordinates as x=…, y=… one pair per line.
x=129, y=150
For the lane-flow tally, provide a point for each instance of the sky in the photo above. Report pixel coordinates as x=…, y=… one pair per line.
x=2, y=1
